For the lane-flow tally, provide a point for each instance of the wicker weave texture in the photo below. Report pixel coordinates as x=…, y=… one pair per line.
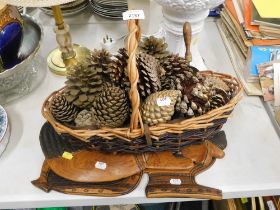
x=138, y=137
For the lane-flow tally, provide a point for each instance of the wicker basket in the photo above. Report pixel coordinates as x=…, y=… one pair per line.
x=138, y=138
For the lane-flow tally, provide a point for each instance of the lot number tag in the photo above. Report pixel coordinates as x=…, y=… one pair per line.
x=133, y=14
x=175, y=181
x=165, y=101
x=100, y=165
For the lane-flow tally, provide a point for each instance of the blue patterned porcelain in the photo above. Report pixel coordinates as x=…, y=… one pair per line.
x=4, y=130
x=11, y=34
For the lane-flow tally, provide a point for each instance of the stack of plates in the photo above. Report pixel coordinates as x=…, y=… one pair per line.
x=109, y=8
x=20, y=9
x=69, y=8
x=4, y=130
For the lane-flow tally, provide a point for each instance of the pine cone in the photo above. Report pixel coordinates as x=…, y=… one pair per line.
x=149, y=70
x=160, y=107
x=216, y=82
x=101, y=60
x=156, y=47
x=149, y=75
x=221, y=92
x=85, y=79
x=84, y=119
x=180, y=76
x=62, y=110
x=178, y=73
x=118, y=69
x=110, y=108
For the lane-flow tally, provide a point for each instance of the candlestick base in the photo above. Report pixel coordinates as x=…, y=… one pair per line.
x=58, y=66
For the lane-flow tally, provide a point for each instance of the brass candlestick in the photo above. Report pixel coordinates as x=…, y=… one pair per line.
x=66, y=54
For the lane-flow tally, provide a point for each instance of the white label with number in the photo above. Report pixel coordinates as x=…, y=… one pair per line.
x=165, y=101
x=271, y=205
x=133, y=15
x=100, y=165
x=175, y=181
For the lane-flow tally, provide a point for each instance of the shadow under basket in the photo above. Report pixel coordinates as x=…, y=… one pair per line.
x=170, y=136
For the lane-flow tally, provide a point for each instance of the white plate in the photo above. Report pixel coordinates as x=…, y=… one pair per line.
x=66, y=13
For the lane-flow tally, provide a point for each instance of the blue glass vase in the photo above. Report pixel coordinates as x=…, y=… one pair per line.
x=11, y=33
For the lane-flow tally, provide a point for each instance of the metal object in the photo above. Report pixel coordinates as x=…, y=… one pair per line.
x=4, y=130
x=67, y=54
x=32, y=36
x=56, y=63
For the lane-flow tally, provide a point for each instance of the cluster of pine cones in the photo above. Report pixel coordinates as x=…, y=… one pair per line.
x=97, y=88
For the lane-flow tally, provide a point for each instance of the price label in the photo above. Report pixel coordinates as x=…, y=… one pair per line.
x=67, y=155
x=175, y=181
x=271, y=205
x=244, y=200
x=165, y=101
x=100, y=165
x=133, y=15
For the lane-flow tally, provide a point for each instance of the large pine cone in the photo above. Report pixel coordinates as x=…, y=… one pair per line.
x=178, y=73
x=110, y=108
x=160, y=107
x=62, y=110
x=156, y=47
x=118, y=69
x=84, y=82
x=150, y=72
x=85, y=79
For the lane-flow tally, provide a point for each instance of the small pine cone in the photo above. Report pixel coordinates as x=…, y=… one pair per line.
x=101, y=59
x=216, y=82
x=84, y=119
x=156, y=47
x=221, y=92
x=233, y=85
x=62, y=110
x=219, y=98
x=160, y=107
x=110, y=109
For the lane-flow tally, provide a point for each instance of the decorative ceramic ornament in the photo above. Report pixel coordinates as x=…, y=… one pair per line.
x=11, y=33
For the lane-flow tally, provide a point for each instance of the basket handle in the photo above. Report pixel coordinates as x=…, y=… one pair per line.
x=132, y=44
x=187, y=31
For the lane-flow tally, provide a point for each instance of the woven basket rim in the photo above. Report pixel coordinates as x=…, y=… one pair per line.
x=202, y=121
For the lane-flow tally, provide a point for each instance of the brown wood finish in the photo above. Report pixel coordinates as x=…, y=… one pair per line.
x=82, y=167
x=79, y=175
x=48, y=181
x=195, y=159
